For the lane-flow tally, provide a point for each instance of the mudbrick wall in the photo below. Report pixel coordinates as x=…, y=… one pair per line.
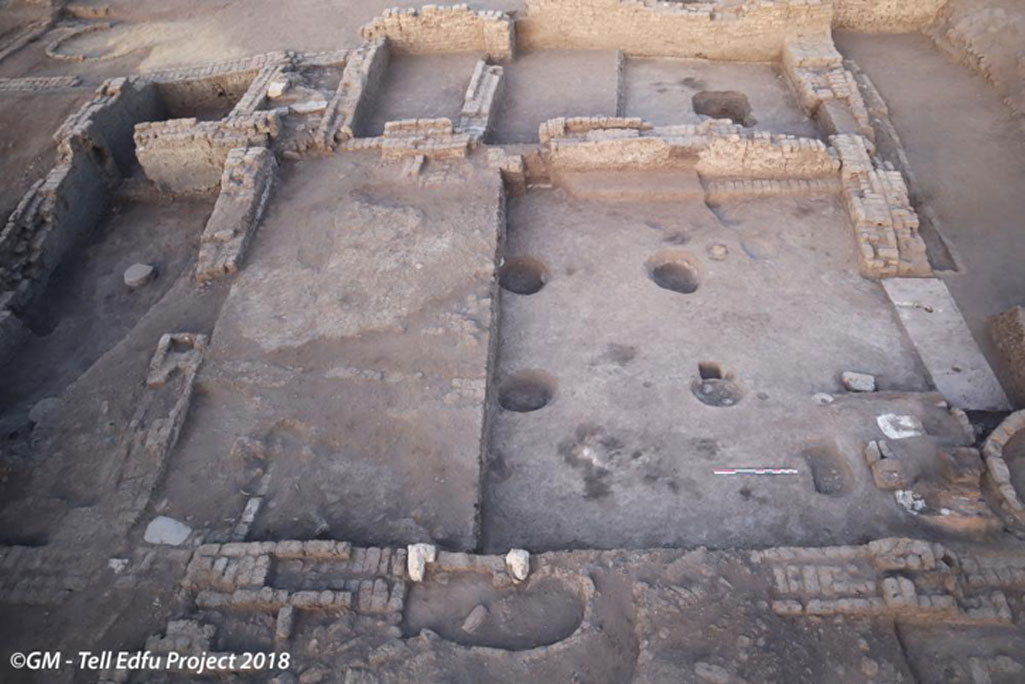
x=448, y=28
x=93, y=152
x=347, y=108
x=106, y=122
x=419, y=139
x=748, y=31
x=430, y=138
x=483, y=96
x=897, y=16
x=735, y=162
x=974, y=33
x=185, y=155
x=128, y=121
x=245, y=186
x=47, y=222
x=827, y=92
x=998, y=475
x=910, y=580
x=885, y=225
x=714, y=148
x=96, y=149
x=68, y=203
x=25, y=36
x=906, y=580
x=38, y=83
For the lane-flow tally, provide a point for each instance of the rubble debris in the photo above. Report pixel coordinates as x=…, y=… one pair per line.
x=475, y=618
x=714, y=674
x=899, y=427
x=858, y=382
x=138, y=275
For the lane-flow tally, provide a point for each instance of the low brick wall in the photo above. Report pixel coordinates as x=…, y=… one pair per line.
x=448, y=28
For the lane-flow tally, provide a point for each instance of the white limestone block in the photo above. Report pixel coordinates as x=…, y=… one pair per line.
x=165, y=530
x=417, y=558
x=518, y=563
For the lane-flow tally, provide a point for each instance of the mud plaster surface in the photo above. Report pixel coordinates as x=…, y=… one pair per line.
x=624, y=452
x=354, y=347
x=661, y=91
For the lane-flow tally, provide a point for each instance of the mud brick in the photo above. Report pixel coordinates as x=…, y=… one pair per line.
x=230, y=573
x=319, y=548
x=898, y=553
x=898, y=591
x=260, y=548
x=384, y=566
x=371, y=561
x=284, y=624
x=398, y=566
x=379, y=596
x=855, y=606
x=358, y=559
x=234, y=549
x=890, y=473
x=794, y=579
x=821, y=607
x=199, y=566
x=289, y=549
x=304, y=599
x=366, y=590
x=780, y=576
x=787, y=607
x=810, y=579
x=212, y=599
x=825, y=577
x=398, y=596
x=454, y=561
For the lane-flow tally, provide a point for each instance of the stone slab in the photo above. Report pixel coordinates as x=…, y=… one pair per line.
x=939, y=332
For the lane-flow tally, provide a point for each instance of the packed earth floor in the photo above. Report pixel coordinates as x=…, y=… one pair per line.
x=525, y=340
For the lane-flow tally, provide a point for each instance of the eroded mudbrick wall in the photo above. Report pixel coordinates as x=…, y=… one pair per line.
x=896, y=16
x=751, y=31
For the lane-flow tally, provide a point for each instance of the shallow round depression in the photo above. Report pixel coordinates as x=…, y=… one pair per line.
x=467, y=609
x=715, y=387
x=522, y=275
x=526, y=391
x=717, y=392
x=675, y=271
x=724, y=104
